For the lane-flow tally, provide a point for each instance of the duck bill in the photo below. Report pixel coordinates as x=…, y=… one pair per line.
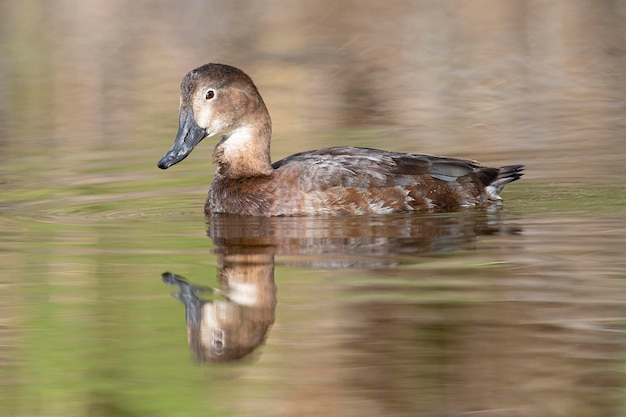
x=188, y=136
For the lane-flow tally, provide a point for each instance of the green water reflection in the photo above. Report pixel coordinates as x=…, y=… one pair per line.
x=467, y=309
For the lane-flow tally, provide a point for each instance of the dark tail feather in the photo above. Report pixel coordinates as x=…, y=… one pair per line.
x=507, y=174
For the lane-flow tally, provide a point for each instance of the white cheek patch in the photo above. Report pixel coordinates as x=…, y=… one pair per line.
x=204, y=116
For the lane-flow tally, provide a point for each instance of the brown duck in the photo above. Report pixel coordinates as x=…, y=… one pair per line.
x=222, y=101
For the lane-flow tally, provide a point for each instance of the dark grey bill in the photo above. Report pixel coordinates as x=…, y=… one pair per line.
x=188, y=136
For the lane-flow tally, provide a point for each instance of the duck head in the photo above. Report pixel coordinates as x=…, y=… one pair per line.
x=220, y=100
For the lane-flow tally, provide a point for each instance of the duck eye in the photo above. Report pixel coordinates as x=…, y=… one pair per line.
x=209, y=94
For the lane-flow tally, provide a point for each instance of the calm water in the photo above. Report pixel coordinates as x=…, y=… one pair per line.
x=519, y=312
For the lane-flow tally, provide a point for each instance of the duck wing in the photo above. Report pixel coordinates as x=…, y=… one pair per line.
x=325, y=168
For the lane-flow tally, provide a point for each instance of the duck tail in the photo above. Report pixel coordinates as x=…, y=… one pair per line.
x=506, y=174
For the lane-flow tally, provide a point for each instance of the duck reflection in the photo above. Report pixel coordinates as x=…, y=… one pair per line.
x=354, y=241
x=235, y=321
x=230, y=322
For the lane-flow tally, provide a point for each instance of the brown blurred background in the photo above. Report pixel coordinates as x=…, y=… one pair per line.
x=485, y=79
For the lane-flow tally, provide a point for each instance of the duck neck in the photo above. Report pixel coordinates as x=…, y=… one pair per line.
x=245, y=151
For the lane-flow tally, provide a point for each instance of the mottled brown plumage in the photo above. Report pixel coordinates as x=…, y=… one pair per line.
x=219, y=100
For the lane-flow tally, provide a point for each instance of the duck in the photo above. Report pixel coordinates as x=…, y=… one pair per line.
x=221, y=101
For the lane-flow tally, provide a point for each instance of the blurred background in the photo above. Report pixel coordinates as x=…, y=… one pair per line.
x=525, y=321
x=542, y=79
